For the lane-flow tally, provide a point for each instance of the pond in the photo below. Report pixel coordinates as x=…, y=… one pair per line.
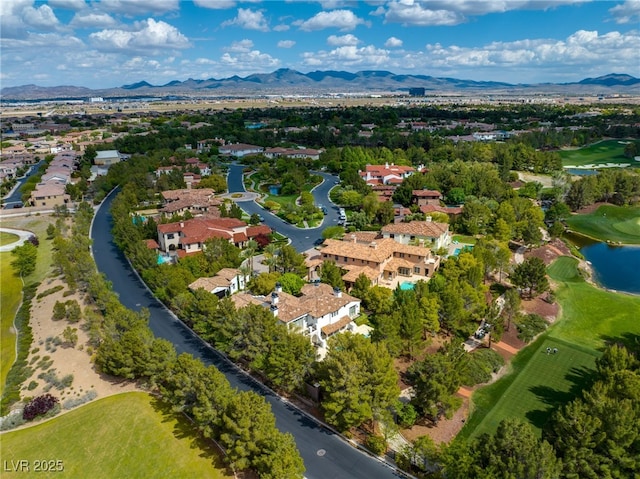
x=614, y=267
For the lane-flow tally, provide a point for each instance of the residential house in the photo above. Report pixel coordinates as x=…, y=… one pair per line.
x=384, y=261
x=320, y=312
x=386, y=174
x=239, y=150
x=448, y=210
x=428, y=233
x=196, y=201
x=50, y=194
x=107, y=157
x=298, y=153
x=225, y=282
x=190, y=235
x=426, y=197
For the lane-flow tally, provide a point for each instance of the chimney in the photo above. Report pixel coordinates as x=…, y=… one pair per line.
x=274, y=298
x=373, y=245
x=428, y=218
x=353, y=238
x=278, y=287
x=274, y=310
x=181, y=224
x=386, y=164
x=337, y=292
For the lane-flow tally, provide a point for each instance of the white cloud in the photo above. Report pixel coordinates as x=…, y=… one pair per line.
x=344, y=20
x=286, y=43
x=628, y=12
x=96, y=20
x=241, y=46
x=149, y=37
x=249, y=62
x=74, y=5
x=139, y=7
x=249, y=19
x=42, y=18
x=281, y=28
x=215, y=4
x=348, y=39
x=584, y=51
x=455, y=12
x=348, y=56
x=393, y=42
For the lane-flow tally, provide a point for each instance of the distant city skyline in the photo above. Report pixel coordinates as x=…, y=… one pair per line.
x=110, y=43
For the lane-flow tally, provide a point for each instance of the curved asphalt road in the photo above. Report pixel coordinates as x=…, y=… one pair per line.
x=14, y=199
x=325, y=454
x=301, y=239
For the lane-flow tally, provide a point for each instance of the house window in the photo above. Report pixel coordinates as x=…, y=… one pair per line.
x=404, y=271
x=416, y=270
x=334, y=314
x=170, y=236
x=352, y=310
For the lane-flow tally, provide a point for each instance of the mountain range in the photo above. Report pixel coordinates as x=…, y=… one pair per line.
x=287, y=82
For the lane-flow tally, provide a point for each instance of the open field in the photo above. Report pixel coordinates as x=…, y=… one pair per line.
x=129, y=435
x=10, y=296
x=537, y=383
x=598, y=154
x=7, y=238
x=609, y=222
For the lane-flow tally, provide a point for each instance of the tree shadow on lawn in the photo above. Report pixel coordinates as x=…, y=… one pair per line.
x=630, y=341
x=185, y=429
x=580, y=378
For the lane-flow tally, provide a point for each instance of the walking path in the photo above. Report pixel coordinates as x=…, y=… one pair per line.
x=23, y=236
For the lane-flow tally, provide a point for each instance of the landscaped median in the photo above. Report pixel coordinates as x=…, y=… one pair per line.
x=540, y=380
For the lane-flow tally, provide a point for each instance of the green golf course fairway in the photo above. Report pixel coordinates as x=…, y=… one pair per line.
x=609, y=222
x=130, y=435
x=538, y=383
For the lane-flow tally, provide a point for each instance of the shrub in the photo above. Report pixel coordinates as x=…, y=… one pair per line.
x=11, y=421
x=49, y=291
x=32, y=385
x=482, y=363
x=39, y=406
x=59, y=311
x=377, y=445
x=529, y=326
x=406, y=414
x=75, y=402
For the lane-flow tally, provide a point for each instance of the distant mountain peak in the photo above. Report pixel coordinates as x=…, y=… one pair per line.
x=286, y=81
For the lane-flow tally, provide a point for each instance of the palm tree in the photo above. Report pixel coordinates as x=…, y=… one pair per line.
x=271, y=254
x=249, y=251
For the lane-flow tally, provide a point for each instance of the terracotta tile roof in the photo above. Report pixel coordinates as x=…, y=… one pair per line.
x=329, y=329
x=240, y=300
x=362, y=236
x=152, y=244
x=428, y=229
x=450, y=210
x=209, y=284
x=396, y=263
x=377, y=251
x=240, y=237
x=253, y=231
x=354, y=271
x=427, y=193
x=228, y=273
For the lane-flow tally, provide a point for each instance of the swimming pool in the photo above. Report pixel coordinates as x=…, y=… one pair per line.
x=406, y=286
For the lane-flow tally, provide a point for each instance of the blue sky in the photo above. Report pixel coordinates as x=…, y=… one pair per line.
x=100, y=44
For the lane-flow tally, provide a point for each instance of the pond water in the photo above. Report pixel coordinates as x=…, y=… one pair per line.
x=580, y=171
x=614, y=267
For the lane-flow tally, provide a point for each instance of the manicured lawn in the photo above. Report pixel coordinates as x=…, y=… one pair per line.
x=10, y=296
x=609, y=222
x=7, y=238
x=603, y=152
x=538, y=383
x=130, y=435
x=541, y=383
x=591, y=316
x=464, y=239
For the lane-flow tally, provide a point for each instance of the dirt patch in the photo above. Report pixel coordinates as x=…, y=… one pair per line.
x=64, y=359
x=445, y=430
x=549, y=252
x=541, y=307
x=591, y=208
